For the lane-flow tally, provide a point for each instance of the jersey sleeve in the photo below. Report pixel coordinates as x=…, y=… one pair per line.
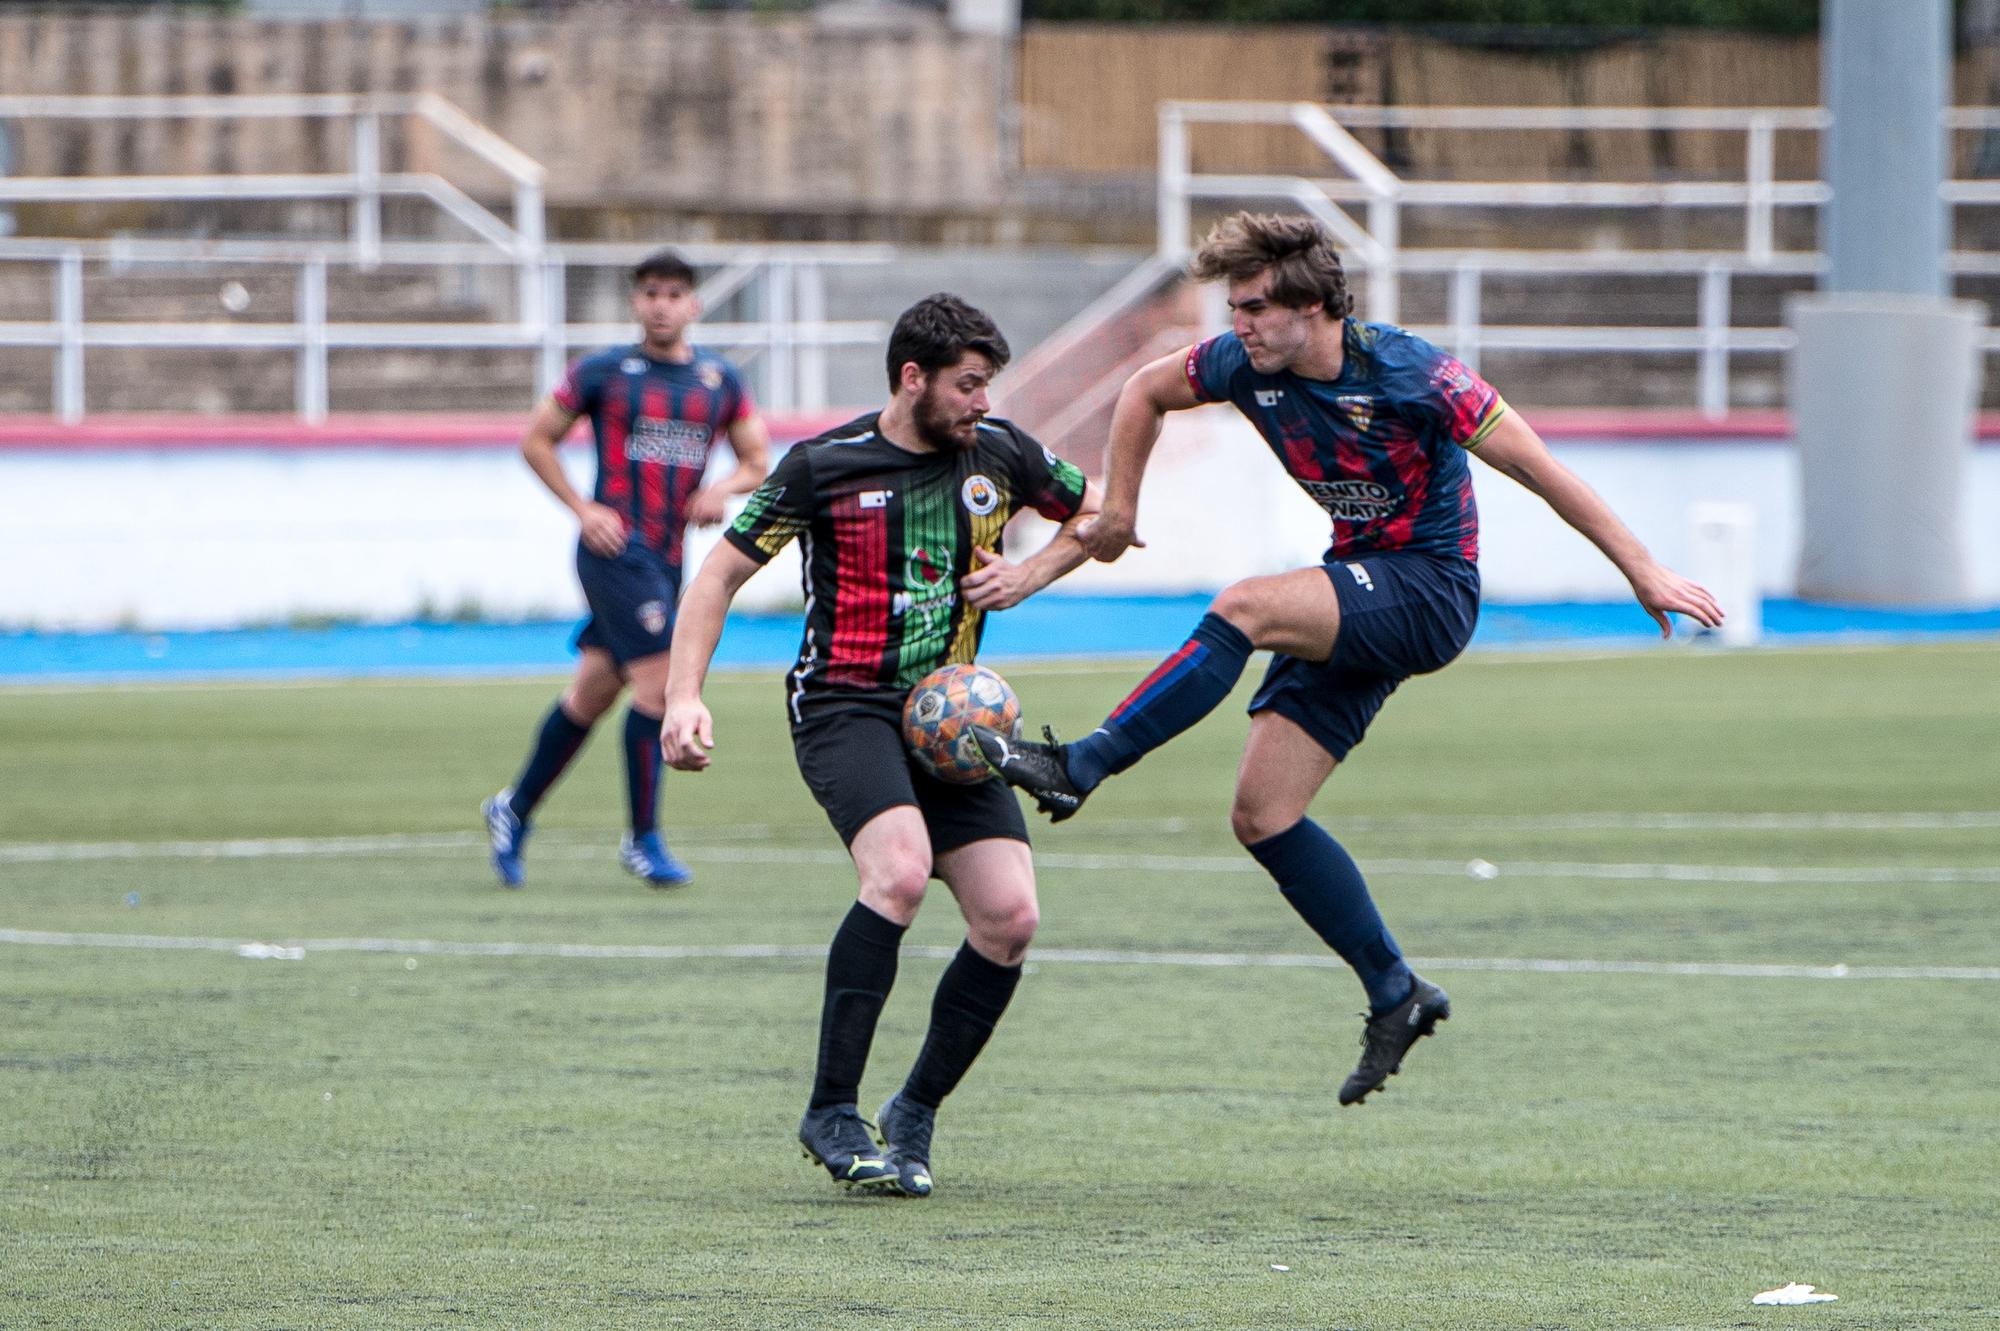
x=1047, y=484
x=777, y=510
x=1434, y=388
x=740, y=403
x=577, y=391
x=1210, y=366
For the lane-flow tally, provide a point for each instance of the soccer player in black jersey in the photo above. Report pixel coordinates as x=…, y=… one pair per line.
x=900, y=514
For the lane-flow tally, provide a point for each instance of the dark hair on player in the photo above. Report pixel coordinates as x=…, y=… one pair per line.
x=665, y=265
x=937, y=331
x=1304, y=265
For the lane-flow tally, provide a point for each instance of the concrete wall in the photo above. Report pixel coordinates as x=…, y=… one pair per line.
x=174, y=538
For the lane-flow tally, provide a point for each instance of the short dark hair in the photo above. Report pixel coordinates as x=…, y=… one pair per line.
x=937, y=331
x=665, y=265
x=1300, y=256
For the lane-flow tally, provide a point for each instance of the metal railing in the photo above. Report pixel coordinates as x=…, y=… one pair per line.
x=1374, y=242
x=784, y=342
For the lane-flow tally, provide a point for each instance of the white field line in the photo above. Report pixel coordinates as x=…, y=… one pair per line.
x=1053, y=956
x=457, y=843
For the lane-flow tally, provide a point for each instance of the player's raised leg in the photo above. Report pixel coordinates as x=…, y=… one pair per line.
x=994, y=881
x=892, y=856
x=1296, y=613
x=1283, y=768
x=643, y=851
x=558, y=740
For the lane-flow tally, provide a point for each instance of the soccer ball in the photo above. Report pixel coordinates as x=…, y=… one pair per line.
x=939, y=714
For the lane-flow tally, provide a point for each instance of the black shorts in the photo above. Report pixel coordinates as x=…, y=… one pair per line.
x=1401, y=614
x=853, y=760
x=632, y=596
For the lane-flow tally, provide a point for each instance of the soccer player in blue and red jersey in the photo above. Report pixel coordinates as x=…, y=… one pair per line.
x=1377, y=425
x=656, y=409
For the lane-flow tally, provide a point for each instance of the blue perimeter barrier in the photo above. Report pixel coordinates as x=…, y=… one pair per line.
x=1047, y=627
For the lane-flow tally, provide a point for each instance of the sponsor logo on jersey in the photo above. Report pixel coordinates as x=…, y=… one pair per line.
x=633, y=365
x=1351, y=501
x=711, y=378
x=930, y=592
x=652, y=616
x=875, y=498
x=670, y=443
x=981, y=496
x=1360, y=572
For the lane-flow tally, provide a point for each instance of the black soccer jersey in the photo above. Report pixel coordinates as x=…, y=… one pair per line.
x=887, y=534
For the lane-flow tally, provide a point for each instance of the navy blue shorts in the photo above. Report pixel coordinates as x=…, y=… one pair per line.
x=1401, y=614
x=632, y=596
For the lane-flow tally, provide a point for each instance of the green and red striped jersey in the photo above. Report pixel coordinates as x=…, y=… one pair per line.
x=886, y=534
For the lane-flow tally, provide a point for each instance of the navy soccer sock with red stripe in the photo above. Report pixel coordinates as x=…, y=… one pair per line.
x=556, y=743
x=642, y=769
x=1326, y=888
x=1182, y=690
x=860, y=972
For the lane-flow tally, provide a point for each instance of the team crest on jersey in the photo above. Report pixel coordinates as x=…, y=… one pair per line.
x=711, y=378
x=633, y=365
x=1360, y=409
x=981, y=496
x=652, y=616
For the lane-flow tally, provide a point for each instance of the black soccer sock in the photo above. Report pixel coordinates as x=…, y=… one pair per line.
x=1326, y=888
x=971, y=995
x=556, y=743
x=642, y=769
x=1182, y=690
x=860, y=971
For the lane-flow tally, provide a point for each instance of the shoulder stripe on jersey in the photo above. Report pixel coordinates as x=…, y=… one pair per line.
x=861, y=438
x=1493, y=415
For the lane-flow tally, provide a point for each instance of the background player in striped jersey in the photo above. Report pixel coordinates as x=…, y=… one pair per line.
x=900, y=514
x=1376, y=425
x=656, y=409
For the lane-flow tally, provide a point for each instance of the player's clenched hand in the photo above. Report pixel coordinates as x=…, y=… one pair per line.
x=706, y=507
x=1108, y=535
x=603, y=529
x=1663, y=592
x=687, y=733
x=996, y=584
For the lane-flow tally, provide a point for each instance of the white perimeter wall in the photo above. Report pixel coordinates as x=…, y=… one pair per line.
x=185, y=538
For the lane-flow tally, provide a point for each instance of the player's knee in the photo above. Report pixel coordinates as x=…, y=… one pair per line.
x=1243, y=605
x=895, y=888
x=1004, y=936
x=1254, y=822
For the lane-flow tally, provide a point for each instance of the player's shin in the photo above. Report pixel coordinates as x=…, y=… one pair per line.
x=642, y=769
x=860, y=971
x=1182, y=690
x=971, y=996
x=556, y=744
x=1321, y=880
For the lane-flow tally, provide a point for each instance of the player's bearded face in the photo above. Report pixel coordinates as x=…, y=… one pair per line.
x=948, y=412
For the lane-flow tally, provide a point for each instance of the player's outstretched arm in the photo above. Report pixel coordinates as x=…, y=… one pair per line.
x=751, y=442
x=687, y=732
x=998, y=584
x=1515, y=449
x=602, y=529
x=1143, y=403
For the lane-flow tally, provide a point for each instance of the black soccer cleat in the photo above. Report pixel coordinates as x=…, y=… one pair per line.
x=906, y=1136
x=1387, y=1038
x=837, y=1138
x=1038, y=769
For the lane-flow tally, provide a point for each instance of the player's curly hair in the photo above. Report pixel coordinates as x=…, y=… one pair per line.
x=937, y=331
x=1304, y=265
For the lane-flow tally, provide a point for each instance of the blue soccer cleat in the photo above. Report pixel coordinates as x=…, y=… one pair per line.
x=648, y=857
x=508, y=833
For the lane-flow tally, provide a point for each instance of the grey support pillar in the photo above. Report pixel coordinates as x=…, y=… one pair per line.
x=1885, y=376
